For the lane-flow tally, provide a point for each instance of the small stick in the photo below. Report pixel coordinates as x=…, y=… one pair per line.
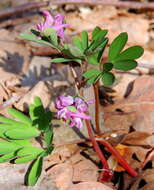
x=119, y=4
x=22, y=8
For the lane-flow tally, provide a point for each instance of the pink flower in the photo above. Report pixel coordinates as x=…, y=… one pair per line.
x=76, y=122
x=63, y=101
x=53, y=22
x=72, y=110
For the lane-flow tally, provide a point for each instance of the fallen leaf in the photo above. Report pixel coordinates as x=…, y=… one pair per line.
x=140, y=103
x=61, y=175
x=90, y=186
x=42, y=90
x=145, y=180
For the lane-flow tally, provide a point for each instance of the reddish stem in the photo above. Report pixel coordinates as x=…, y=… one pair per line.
x=120, y=158
x=96, y=93
x=106, y=174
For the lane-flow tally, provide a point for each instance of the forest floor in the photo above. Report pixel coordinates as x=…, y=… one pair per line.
x=127, y=108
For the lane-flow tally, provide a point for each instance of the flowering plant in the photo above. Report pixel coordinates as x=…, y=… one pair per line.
x=72, y=110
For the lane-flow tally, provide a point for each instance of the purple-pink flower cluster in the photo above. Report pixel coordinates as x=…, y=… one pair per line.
x=72, y=110
x=53, y=22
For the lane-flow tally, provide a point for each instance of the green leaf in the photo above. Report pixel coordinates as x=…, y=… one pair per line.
x=101, y=49
x=50, y=32
x=60, y=60
x=125, y=65
x=4, y=128
x=31, y=37
x=22, y=133
x=117, y=45
x=48, y=151
x=25, y=159
x=34, y=172
x=8, y=147
x=22, y=143
x=38, y=101
x=93, y=79
x=95, y=31
x=91, y=73
x=108, y=78
x=48, y=136
x=20, y=116
x=107, y=67
x=7, y=157
x=84, y=39
x=92, y=59
x=76, y=52
x=100, y=35
x=35, y=32
x=41, y=119
x=14, y=123
x=29, y=151
x=131, y=53
x=95, y=56
x=77, y=42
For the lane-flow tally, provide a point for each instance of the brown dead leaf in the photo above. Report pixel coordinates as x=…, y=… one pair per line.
x=85, y=170
x=136, y=138
x=61, y=175
x=90, y=186
x=42, y=90
x=141, y=102
x=145, y=180
x=111, y=19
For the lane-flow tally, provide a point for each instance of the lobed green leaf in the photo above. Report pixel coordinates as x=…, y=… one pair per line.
x=91, y=73
x=131, y=53
x=125, y=65
x=108, y=78
x=84, y=40
x=117, y=46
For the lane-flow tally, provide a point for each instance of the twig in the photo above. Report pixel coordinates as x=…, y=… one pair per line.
x=35, y=5
x=119, y=4
x=22, y=8
x=97, y=108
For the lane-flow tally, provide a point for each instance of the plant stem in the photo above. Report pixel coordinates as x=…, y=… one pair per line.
x=120, y=158
x=106, y=174
x=95, y=144
x=97, y=107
